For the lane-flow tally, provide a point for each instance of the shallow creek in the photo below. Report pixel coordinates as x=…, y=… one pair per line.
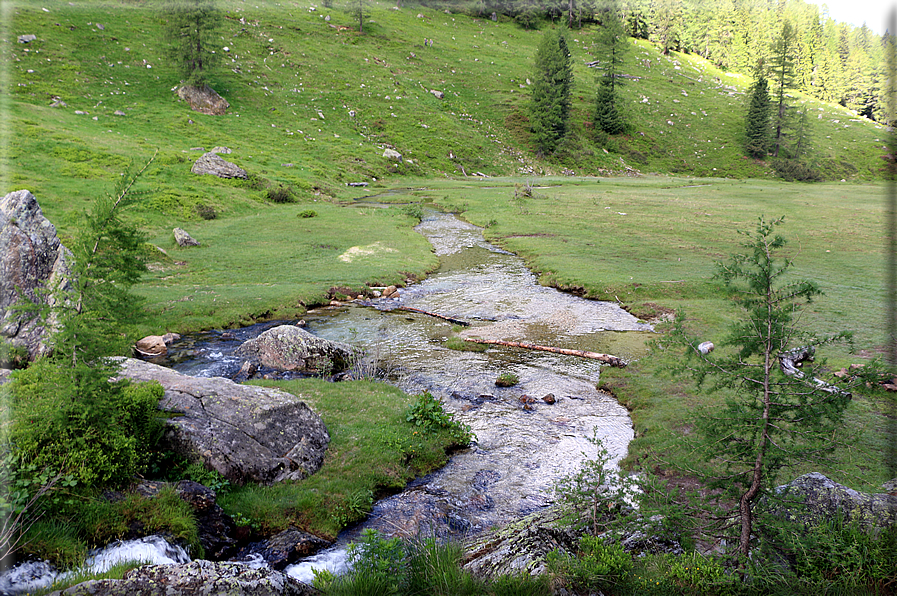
x=519, y=454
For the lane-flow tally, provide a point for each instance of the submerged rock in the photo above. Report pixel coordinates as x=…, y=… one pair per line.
x=194, y=579
x=288, y=347
x=246, y=433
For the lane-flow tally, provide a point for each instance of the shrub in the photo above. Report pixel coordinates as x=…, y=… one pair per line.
x=280, y=194
x=206, y=212
x=104, y=442
x=308, y=213
x=427, y=413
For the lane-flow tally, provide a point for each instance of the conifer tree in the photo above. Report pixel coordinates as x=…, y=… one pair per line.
x=757, y=120
x=773, y=415
x=611, y=46
x=552, y=88
x=190, y=34
x=66, y=409
x=783, y=69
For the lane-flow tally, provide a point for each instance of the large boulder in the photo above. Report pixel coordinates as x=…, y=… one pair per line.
x=204, y=99
x=210, y=163
x=813, y=497
x=198, y=578
x=31, y=259
x=290, y=348
x=247, y=433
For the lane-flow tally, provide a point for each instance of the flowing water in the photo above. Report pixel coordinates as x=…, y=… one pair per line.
x=520, y=452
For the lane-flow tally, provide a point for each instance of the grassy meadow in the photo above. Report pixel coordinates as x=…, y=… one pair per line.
x=639, y=219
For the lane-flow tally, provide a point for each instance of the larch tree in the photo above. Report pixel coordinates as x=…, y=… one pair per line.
x=773, y=414
x=552, y=89
x=190, y=32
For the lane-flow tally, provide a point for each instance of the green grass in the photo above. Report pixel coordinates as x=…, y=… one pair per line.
x=374, y=451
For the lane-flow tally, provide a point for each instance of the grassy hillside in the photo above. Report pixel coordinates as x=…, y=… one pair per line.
x=306, y=89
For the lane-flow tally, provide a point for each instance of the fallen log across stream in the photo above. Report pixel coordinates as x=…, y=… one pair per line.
x=433, y=314
x=605, y=358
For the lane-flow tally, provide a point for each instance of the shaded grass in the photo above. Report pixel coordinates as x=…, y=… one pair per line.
x=374, y=451
x=92, y=520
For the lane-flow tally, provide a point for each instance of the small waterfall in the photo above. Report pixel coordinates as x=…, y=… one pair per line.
x=33, y=575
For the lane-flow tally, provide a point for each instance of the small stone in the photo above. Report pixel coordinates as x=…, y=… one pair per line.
x=549, y=399
x=27, y=38
x=119, y=113
x=437, y=93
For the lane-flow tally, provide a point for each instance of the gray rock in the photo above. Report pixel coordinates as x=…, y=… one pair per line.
x=392, y=154
x=119, y=113
x=437, y=93
x=27, y=38
x=521, y=547
x=812, y=498
x=198, y=578
x=31, y=259
x=247, y=433
x=183, y=238
x=204, y=99
x=210, y=163
x=287, y=347
x=224, y=150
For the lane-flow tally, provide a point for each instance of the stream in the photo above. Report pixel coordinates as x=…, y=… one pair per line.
x=518, y=454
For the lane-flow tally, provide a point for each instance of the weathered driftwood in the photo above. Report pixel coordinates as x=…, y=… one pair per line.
x=605, y=358
x=433, y=314
x=790, y=360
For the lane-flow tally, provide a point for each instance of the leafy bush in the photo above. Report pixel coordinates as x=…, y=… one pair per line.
x=427, y=413
x=101, y=441
x=308, y=213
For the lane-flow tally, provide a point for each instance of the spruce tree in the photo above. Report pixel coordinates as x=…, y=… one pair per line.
x=757, y=121
x=611, y=46
x=190, y=34
x=552, y=88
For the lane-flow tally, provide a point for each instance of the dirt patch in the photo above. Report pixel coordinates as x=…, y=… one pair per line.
x=359, y=252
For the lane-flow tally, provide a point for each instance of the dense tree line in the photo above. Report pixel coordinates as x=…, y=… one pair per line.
x=832, y=61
